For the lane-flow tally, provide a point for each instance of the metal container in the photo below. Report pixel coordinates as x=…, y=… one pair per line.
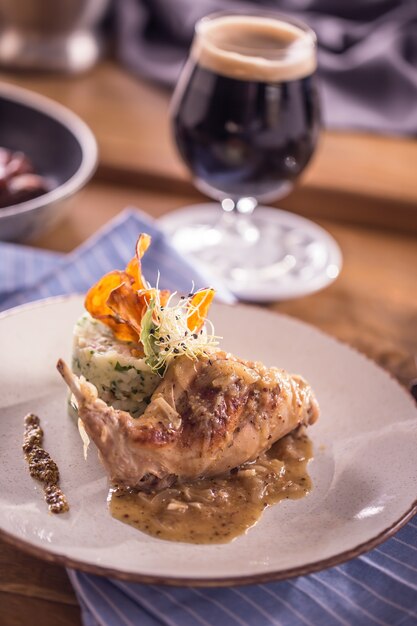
x=61, y=148
x=55, y=35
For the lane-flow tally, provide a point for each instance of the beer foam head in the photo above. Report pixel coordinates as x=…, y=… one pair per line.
x=254, y=47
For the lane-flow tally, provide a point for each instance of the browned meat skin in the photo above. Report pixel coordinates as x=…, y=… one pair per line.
x=206, y=417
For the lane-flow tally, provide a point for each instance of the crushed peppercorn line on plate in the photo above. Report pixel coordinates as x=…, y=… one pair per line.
x=169, y=410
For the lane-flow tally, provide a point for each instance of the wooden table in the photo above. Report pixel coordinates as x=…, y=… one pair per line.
x=362, y=188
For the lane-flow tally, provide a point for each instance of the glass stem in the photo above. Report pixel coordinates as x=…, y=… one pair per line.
x=237, y=218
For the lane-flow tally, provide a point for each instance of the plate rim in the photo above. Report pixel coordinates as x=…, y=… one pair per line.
x=228, y=581
x=212, y=581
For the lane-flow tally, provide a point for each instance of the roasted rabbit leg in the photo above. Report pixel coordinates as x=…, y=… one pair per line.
x=207, y=416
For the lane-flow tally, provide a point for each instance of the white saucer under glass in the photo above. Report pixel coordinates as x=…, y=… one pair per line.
x=301, y=256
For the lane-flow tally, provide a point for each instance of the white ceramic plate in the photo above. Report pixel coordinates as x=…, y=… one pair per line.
x=364, y=470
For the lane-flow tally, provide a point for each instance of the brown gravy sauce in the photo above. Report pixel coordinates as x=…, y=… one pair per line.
x=216, y=510
x=42, y=466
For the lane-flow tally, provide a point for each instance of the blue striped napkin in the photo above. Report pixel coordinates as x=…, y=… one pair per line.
x=28, y=274
x=377, y=588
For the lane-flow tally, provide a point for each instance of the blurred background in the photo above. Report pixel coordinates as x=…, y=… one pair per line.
x=115, y=64
x=367, y=48
x=367, y=52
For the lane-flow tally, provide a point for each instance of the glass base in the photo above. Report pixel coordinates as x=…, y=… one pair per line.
x=269, y=255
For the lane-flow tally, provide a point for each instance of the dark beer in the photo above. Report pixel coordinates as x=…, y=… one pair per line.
x=246, y=113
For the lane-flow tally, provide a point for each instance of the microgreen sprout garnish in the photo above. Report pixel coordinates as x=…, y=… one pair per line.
x=168, y=330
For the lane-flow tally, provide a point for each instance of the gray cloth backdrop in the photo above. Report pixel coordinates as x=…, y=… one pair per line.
x=367, y=52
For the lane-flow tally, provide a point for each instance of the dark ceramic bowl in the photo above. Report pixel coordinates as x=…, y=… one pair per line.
x=61, y=148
